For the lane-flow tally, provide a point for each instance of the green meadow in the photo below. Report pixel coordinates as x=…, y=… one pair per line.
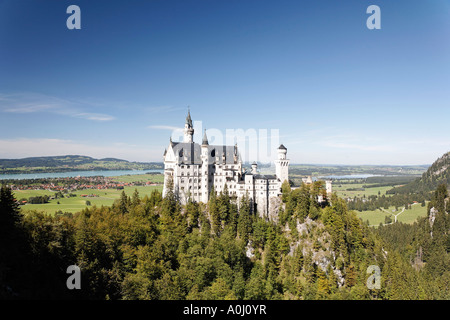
x=408, y=216
x=159, y=178
x=343, y=192
x=105, y=197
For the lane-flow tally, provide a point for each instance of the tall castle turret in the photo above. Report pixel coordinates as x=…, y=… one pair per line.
x=205, y=169
x=188, y=129
x=282, y=164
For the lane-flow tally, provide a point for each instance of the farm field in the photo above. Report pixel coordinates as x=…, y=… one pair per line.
x=378, y=216
x=341, y=190
x=103, y=197
x=157, y=178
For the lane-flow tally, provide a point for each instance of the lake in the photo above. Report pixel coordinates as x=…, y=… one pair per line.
x=105, y=173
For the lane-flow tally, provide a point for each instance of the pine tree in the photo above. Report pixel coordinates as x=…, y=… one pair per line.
x=9, y=209
x=14, y=258
x=224, y=205
x=323, y=285
x=192, y=213
x=214, y=213
x=285, y=191
x=244, y=227
x=123, y=203
x=169, y=202
x=135, y=200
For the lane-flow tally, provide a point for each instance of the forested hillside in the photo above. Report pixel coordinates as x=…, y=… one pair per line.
x=154, y=248
x=425, y=245
x=438, y=173
x=70, y=163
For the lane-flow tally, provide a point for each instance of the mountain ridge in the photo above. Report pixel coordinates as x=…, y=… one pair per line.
x=70, y=163
x=438, y=173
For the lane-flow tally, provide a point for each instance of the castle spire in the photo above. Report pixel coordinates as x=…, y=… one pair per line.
x=188, y=118
x=188, y=128
x=205, y=139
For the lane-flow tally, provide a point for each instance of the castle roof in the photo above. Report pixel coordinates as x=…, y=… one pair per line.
x=190, y=153
x=282, y=147
x=265, y=176
x=188, y=119
x=205, y=139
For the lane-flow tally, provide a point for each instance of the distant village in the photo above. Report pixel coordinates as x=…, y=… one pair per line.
x=66, y=185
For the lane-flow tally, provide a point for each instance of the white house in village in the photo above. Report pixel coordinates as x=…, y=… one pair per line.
x=196, y=168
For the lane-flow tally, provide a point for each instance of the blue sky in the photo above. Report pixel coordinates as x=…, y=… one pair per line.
x=337, y=92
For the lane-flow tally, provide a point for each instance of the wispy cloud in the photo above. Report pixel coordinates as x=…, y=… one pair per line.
x=30, y=108
x=94, y=116
x=37, y=103
x=164, y=127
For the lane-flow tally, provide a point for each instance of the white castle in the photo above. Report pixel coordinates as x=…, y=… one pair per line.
x=195, y=169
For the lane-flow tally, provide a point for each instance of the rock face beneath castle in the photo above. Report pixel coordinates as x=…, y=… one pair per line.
x=315, y=242
x=432, y=216
x=197, y=169
x=275, y=204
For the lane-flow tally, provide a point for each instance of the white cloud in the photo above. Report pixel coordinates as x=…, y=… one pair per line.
x=94, y=116
x=35, y=102
x=31, y=108
x=164, y=127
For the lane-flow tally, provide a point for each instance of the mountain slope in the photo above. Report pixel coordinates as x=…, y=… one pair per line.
x=438, y=173
x=70, y=163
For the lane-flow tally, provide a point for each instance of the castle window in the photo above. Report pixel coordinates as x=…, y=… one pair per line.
x=213, y=153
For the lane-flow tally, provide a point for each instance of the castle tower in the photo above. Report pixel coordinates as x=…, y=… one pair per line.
x=282, y=164
x=205, y=170
x=329, y=187
x=188, y=129
x=254, y=168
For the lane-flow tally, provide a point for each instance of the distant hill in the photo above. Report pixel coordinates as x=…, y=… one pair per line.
x=437, y=173
x=71, y=163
